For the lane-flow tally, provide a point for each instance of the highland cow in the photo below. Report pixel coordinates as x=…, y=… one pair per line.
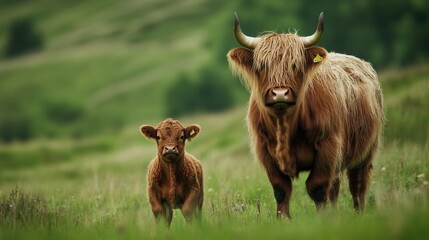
x=175, y=178
x=309, y=110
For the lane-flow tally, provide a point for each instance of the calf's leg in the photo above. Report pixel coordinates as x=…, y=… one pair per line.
x=191, y=207
x=160, y=210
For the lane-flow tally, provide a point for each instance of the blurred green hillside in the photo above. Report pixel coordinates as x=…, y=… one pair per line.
x=107, y=65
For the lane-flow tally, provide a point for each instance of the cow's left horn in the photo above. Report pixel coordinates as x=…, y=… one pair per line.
x=313, y=39
x=245, y=41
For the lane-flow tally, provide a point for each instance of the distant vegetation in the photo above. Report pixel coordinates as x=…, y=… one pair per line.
x=15, y=127
x=104, y=67
x=23, y=38
x=388, y=33
x=209, y=92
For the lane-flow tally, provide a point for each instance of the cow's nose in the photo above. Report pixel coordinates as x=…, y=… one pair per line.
x=279, y=94
x=169, y=149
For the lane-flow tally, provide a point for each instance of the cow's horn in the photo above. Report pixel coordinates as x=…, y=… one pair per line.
x=245, y=41
x=313, y=39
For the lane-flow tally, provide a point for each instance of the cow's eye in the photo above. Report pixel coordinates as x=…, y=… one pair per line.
x=158, y=137
x=182, y=136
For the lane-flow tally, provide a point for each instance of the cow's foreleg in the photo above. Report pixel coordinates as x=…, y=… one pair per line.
x=324, y=171
x=281, y=183
x=282, y=186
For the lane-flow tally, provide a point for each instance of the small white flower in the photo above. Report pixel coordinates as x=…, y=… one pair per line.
x=243, y=207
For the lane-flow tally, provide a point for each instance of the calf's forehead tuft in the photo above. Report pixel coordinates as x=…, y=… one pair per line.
x=170, y=126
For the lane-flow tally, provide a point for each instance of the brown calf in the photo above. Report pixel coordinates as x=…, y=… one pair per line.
x=175, y=178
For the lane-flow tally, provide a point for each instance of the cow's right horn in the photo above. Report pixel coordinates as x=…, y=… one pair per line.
x=313, y=39
x=245, y=41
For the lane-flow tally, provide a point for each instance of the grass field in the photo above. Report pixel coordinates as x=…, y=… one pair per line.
x=86, y=179
x=101, y=193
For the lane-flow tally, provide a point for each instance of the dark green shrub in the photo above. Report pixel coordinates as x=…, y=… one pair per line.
x=208, y=93
x=15, y=127
x=63, y=111
x=23, y=38
x=214, y=93
x=179, y=97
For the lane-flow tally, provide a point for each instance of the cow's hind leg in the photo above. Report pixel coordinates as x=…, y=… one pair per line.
x=359, y=178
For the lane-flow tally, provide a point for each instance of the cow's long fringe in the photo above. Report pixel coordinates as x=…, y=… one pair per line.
x=283, y=55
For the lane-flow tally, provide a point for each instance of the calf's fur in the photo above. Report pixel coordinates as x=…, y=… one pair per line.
x=175, y=178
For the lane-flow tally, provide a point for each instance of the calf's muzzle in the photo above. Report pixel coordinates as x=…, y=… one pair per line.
x=170, y=150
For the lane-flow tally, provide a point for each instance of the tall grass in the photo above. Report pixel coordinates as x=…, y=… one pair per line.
x=109, y=200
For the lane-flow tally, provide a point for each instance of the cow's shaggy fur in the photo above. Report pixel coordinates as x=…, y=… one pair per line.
x=175, y=178
x=335, y=123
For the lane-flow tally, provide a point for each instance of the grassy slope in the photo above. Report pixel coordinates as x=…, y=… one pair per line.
x=95, y=187
x=105, y=193
x=102, y=56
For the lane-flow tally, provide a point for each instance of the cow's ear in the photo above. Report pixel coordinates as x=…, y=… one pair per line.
x=315, y=55
x=148, y=131
x=192, y=131
x=240, y=59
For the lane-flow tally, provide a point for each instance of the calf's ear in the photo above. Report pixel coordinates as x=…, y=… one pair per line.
x=192, y=131
x=148, y=131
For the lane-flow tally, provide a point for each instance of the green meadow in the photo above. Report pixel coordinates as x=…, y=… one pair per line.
x=73, y=162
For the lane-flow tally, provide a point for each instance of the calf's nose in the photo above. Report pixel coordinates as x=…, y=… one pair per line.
x=169, y=149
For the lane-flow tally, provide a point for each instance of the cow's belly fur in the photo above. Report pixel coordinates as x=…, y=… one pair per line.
x=304, y=154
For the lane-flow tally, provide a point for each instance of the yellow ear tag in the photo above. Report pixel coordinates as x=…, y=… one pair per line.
x=317, y=58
